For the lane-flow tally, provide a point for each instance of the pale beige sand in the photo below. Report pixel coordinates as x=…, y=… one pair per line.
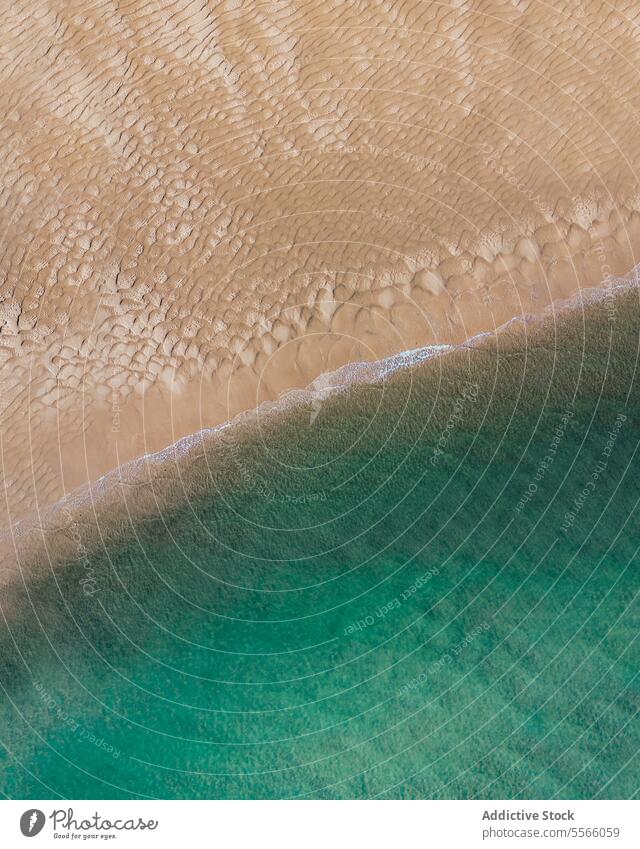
x=206, y=203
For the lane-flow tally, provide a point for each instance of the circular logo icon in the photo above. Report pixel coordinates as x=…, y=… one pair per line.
x=32, y=822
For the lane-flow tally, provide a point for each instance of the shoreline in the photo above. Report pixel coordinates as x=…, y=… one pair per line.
x=69, y=437
x=105, y=510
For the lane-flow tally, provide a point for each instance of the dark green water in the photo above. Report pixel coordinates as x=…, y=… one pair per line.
x=378, y=602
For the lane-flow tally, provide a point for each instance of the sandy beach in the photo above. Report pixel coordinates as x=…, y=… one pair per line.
x=201, y=213
x=320, y=415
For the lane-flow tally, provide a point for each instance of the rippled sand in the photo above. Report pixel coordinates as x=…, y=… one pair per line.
x=204, y=205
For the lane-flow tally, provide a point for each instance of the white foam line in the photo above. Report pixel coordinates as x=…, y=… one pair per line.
x=370, y=372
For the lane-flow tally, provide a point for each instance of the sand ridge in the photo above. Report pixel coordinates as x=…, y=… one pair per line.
x=205, y=205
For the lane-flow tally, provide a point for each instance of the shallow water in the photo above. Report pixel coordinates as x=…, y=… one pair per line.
x=424, y=587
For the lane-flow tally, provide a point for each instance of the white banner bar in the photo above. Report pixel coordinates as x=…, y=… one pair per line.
x=321, y=825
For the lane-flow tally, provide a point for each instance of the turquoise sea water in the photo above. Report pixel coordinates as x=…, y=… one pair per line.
x=424, y=587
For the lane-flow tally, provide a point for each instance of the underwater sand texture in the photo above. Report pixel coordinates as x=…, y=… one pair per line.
x=204, y=204
x=423, y=584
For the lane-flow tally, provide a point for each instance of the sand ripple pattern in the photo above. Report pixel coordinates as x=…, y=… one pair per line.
x=203, y=204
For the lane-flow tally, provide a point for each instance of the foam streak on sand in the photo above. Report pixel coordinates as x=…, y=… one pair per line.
x=325, y=384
